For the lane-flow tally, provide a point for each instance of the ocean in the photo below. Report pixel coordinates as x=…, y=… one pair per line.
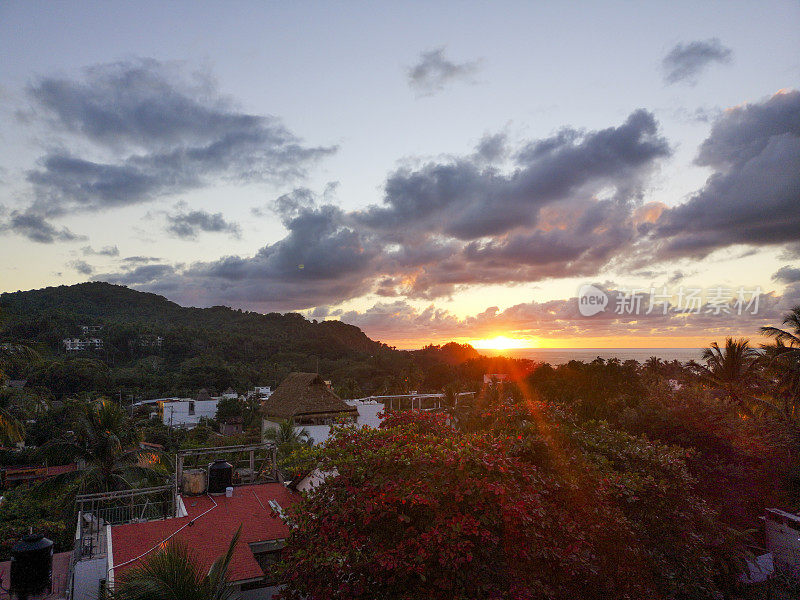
x=559, y=356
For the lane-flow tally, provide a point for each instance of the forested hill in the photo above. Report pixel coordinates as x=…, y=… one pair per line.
x=50, y=314
x=154, y=346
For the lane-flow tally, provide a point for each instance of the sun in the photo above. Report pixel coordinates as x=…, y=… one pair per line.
x=502, y=342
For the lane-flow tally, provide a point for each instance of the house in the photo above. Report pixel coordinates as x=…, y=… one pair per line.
x=230, y=394
x=368, y=415
x=117, y=531
x=306, y=399
x=214, y=521
x=79, y=344
x=262, y=391
x=16, y=384
x=17, y=475
x=231, y=426
x=187, y=412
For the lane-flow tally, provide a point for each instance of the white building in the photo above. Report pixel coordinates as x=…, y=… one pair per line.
x=185, y=412
x=264, y=391
x=367, y=415
x=77, y=344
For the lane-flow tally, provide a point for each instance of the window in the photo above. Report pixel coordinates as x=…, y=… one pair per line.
x=191, y=408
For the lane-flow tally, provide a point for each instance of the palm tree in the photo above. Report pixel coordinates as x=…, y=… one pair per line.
x=171, y=574
x=13, y=355
x=653, y=365
x=11, y=429
x=784, y=359
x=733, y=370
x=789, y=338
x=105, y=441
x=288, y=438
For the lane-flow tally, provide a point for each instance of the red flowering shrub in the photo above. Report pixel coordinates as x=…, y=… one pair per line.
x=420, y=510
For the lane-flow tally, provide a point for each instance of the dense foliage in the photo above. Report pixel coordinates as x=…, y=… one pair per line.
x=531, y=506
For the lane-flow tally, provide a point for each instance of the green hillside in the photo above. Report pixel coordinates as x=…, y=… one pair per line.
x=152, y=346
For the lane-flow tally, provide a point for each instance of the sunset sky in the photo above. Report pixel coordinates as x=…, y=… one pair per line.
x=427, y=171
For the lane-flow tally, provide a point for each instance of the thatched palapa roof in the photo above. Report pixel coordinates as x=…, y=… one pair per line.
x=304, y=394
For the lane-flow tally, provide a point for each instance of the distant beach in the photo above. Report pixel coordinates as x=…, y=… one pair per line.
x=559, y=356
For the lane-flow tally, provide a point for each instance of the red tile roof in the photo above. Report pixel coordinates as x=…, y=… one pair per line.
x=59, y=580
x=209, y=536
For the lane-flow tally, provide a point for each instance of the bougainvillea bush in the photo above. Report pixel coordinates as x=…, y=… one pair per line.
x=530, y=506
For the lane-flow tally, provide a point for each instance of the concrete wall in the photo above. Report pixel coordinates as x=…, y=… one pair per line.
x=177, y=413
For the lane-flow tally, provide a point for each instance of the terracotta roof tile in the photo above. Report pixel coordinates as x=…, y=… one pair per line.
x=209, y=536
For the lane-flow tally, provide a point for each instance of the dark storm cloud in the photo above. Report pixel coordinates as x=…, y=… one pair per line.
x=162, y=132
x=104, y=251
x=187, y=225
x=787, y=274
x=37, y=229
x=433, y=71
x=686, y=61
x=753, y=194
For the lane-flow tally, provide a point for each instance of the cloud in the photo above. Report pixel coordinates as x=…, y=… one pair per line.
x=751, y=196
x=466, y=200
x=140, y=259
x=566, y=205
x=787, y=274
x=151, y=130
x=81, y=266
x=685, y=61
x=187, y=225
x=320, y=260
x=434, y=71
x=104, y=251
x=140, y=275
x=37, y=229
x=404, y=324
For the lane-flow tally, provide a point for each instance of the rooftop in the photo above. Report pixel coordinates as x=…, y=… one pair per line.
x=209, y=535
x=303, y=394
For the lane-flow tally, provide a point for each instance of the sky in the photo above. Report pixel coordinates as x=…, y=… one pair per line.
x=427, y=171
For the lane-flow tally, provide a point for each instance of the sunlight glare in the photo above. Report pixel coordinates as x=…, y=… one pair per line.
x=502, y=342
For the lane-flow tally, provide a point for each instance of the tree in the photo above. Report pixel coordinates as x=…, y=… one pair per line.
x=172, y=574
x=653, y=365
x=105, y=440
x=733, y=370
x=12, y=356
x=784, y=361
x=288, y=437
x=520, y=509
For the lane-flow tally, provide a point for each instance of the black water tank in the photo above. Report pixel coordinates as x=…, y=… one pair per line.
x=31, y=565
x=220, y=475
